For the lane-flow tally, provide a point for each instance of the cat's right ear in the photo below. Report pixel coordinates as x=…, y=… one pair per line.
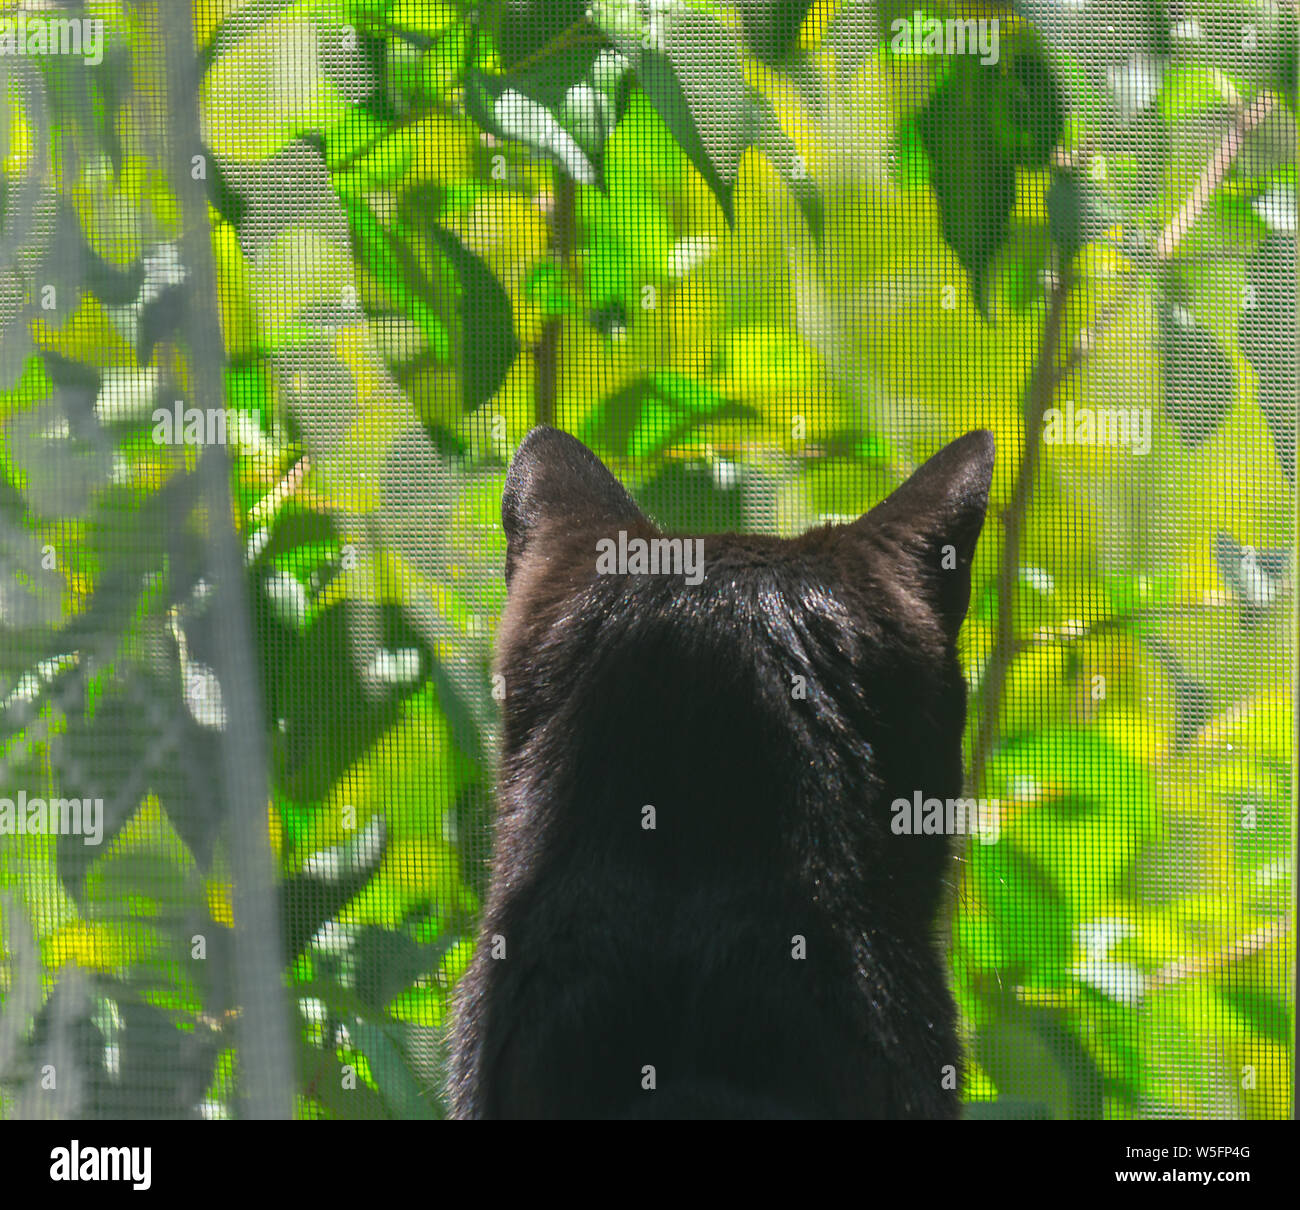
x=555, y=479
x=932, y=522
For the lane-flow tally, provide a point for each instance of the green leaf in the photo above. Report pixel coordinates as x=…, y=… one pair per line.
x=187, y=779
x=488, y=344
x=161, y=318
x=527, y=27
x=249, y=388
x=544, y=285
x=1196, y=375
x=487, y=328
x=1028, y=112
x=659, y=80
x=251, y=113
x=908, y=164
x=1270, y=1016
x=511, y=109
x=552, y=99
x=772, y=27
x=1029, y=256
x=391, y=1071
x=550, y=78
x=653, y=412
x=1077, y=807
x=112, y=285
x=1266, y=330
x=162, y=1071
x=238, y=26
x=1190, y=89
x=293, y=529
x=229, y=203
x=332, y=878
x=322, y=1074
x=1028, y=913
x=388, y=962
x=974, y=178
x=772, y=140
x=328, y=716
x=1072, y=212
x=460, y=717
x=1034, y=1057
x=107, y=754
x=392, y=263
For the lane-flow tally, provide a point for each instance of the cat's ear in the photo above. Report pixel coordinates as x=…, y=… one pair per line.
x=554, y=478
x=934, y=519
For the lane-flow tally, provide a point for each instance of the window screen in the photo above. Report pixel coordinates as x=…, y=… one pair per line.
x=284, y=284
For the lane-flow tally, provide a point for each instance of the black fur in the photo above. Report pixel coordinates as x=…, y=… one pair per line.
x=671, y=948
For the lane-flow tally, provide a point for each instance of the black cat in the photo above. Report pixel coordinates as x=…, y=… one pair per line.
x=698, y=905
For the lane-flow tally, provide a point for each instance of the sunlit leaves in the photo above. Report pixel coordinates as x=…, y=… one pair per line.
x=331, y=878
x=267, y=83
x=484, y=317
x=511, y=113
x=399, y=270
x=441, y=166
x=641, y=419
x=553, y=100
x=779, y=147
x=1077, y=807
x=328, y=711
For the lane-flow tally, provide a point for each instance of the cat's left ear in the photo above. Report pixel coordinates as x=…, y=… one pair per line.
x=934, y=520
x=555, y=479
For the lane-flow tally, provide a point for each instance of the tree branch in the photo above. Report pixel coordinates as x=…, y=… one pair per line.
x=1209, y=964
x=1178, y=227
x=1047, y=375
x=1038, y=397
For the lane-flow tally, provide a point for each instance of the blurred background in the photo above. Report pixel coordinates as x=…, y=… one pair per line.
x=283, y=283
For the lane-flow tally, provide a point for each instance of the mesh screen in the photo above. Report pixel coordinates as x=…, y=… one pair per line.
x=283, y=285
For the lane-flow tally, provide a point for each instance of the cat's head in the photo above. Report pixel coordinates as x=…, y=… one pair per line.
x=773, y=670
